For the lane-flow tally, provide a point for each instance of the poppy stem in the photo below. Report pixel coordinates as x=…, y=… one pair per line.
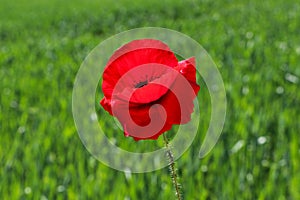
x=172, y=168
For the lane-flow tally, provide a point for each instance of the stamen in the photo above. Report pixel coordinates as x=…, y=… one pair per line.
x=141, y=84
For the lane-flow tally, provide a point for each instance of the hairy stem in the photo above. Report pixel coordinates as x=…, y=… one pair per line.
x=172, y=168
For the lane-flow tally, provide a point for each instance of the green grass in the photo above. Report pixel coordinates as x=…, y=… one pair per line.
x=256, y=46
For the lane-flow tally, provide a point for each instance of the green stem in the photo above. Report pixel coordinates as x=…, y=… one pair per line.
x=172, y=168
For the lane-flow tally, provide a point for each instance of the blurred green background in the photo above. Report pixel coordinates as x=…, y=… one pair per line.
x=256, y=45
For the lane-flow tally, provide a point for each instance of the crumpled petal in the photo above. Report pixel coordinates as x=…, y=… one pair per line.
x=179, y=100
x=106, y=104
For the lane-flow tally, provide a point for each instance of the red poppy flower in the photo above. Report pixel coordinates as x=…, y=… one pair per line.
x=147, y=89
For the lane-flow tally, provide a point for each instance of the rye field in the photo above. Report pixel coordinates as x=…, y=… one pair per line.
x=256, y=46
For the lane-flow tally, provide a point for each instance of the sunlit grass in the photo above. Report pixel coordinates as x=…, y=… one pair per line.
x=256, y=47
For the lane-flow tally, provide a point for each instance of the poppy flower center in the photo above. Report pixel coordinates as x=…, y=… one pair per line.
x=141, y=84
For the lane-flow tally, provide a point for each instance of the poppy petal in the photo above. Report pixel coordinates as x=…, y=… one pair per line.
x=188, y=70
x=141, y=122
x=160, y=80
x=106, y=105
x=133, y=54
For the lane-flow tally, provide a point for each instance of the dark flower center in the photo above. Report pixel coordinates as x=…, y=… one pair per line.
x=141, y=84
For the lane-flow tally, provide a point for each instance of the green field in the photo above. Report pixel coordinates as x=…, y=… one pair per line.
x=256, y=45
